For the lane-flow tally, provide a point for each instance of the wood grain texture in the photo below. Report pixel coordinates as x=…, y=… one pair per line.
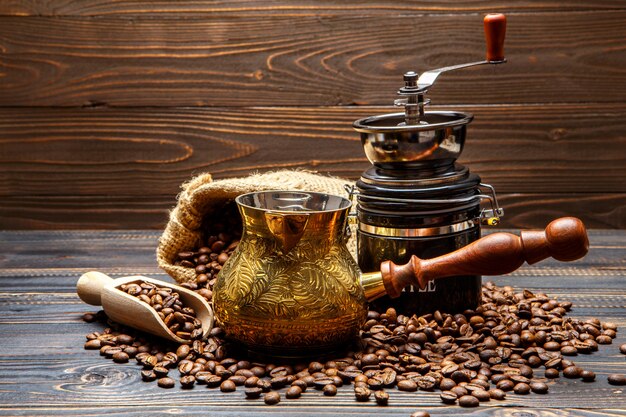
x=44, y=370
x=518, y=149
x=272, y=84
x=122, y=168
x=194, y=8
x=275, y=60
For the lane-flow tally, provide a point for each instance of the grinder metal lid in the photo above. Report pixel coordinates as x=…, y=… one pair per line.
x=390, y=143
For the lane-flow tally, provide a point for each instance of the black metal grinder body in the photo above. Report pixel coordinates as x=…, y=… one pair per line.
x=415, y=199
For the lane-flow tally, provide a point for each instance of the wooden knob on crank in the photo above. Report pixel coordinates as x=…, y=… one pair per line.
x=495, y=31
x=564, y=239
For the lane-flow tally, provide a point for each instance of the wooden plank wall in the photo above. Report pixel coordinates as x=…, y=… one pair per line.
x=106, y=107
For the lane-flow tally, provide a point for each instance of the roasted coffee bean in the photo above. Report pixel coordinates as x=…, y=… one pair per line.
x=369, y=359
x=315, y=367
x=89, y=317
x=160, y=371
x=539, y=387
x=572, y=372
x=407, y=385
x=552, y=346
x=295, y=392
x=131, y=351
x=124, y=339
x=300, y=383
x=427, y=382
x=148, y=375
x=519, y=379
x=213, y=381
x=110, y=351
x=258, y=371
x=481, y=395
x=272, y=398
x=480, y=382
x=93, y=344
x=202, y=376
x=185, y=367
x=253, y=392
x=362, y=393
x=375, y=383
x=166, y=382
x=446, y=384
x=420, y=414
x=459, y=391
x=521, y=389
x=348, y=376
x=381, y=397
x=588, y=376
x=251, y=382
x=330, y=390
x=622, y=348
x=460, y=376
x=468, y=401
x=239, y=380
x=448, y=397
x=569, y=351
x=309, y=380
x=228, y=386
x=279, y=382
x=187, y=381
x=264, y=384
x=552, y=373
x=497, y=394
x=617, y=379
x=280, y=371
x=505, y=385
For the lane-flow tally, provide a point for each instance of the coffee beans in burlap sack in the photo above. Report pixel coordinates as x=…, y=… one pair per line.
x=203, y=200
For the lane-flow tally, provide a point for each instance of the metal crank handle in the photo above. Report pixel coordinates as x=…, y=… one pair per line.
x=564, y=239
x=495, y=30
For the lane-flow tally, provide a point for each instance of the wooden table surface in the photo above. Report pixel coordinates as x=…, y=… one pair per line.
x=45, y=371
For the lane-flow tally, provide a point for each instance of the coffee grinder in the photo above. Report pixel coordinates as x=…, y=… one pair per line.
x=415, y=199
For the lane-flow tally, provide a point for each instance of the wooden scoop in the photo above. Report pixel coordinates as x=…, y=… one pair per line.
x=97, y=289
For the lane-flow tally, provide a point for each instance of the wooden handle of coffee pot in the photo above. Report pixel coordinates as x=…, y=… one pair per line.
x=564, y=239
x=495, y=31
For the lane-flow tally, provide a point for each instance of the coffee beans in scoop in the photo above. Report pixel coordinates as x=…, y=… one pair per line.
x=181, y=320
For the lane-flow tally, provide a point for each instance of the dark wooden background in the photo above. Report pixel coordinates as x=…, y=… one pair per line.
x=106, y=107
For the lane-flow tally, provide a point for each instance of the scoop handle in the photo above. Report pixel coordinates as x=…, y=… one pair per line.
x=564, y=239
x=89, y=287
x=495, y=31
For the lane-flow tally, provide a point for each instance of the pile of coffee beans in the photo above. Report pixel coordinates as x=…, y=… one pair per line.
x=221, y=240
x=181, y=320
x=515, y=342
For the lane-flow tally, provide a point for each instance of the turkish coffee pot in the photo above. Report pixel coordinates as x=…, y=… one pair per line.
x=292, y=288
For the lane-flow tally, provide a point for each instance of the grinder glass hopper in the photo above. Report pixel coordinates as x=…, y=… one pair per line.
x=415, y=199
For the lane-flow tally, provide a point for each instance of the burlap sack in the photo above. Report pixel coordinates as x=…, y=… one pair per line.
x=202, y=196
